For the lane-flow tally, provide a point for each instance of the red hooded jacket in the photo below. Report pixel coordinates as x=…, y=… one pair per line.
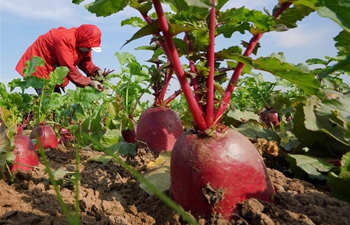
x=60, y=47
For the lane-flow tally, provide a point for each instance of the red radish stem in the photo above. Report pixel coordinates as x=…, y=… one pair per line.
x=239, y=68
x=209, y=111
x=202, y=160
x=196, y=111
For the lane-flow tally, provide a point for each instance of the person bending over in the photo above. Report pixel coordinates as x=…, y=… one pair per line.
x=70, y=47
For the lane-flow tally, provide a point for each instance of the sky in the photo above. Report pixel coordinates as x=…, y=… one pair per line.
x=22, y=21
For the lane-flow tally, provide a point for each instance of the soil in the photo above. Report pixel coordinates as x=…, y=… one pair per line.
x=109, y=194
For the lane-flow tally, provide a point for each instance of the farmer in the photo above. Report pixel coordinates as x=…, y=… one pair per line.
x=67, y=47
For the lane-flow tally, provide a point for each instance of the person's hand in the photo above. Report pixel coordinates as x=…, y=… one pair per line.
x=99, y=73
x=99, y=76
x=96, y=84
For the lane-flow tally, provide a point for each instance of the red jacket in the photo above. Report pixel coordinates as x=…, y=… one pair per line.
x=60, y=47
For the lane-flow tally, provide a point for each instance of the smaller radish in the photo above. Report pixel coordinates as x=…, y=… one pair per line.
x=65, y=134
x=129, y=136
x=44, y=134
x=159, y=128
x=270, y=116
x=26, y=157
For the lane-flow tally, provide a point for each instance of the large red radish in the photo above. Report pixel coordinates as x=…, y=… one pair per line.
x=211, y=174
x=26, y=157
x=44, y=134
x=159, y=128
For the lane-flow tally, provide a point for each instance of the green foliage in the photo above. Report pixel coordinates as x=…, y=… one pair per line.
x=312, y=103
x=106, y=7
x=5, y=148
x=339, y=184
x=338, y=11
x=314, y=167
x=133, y=83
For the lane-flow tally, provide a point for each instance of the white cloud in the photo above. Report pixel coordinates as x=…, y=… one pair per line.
x=39, y=9
x=251, y=4
x=302, y=36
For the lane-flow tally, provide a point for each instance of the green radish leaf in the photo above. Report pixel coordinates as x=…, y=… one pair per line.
x=100, y=158
x=254, y=131
x=110, y=137
x=314, y=167
x=149, y=29
x=243, y=115
x=143, y=8
x=347, y=133
x=29, y=69
x=338, y=11
x=329, y=116
x=77, y=1
x=291, y=16
x=234, y=16
x=134, y=22
x=60, y=173
x=199, y=3
x=158, y=173
x=315, y=61
x=125, y=57
x=339, y=184
x=106, y=7
x=57, y=76
x=342, y=43
x=5, y=147
x=123, y=148
x=309, y=3
x=288, y=141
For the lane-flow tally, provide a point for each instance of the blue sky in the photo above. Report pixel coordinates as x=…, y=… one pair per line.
x=22, y=21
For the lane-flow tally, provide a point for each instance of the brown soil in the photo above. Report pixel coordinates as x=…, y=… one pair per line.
x=110, y=195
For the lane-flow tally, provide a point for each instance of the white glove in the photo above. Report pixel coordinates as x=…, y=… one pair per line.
x=99, y=76
x=99, y=73
x=96, y=84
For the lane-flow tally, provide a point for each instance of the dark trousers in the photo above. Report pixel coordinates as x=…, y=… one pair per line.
x=57, y=90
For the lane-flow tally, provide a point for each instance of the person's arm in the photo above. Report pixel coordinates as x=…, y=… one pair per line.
x=64, y=52
x=86, y=65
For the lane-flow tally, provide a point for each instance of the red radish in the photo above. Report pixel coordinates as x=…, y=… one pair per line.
x=129, y=136
x=335, y=162
x=26, y=157
x=65, y=134
x=211, y=174
x=159, y=128
x=270, y=116
x=44, y=134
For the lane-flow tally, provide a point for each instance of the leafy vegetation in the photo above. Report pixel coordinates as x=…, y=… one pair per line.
x=310, y=121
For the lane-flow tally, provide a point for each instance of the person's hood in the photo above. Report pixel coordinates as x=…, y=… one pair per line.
x=88, y=36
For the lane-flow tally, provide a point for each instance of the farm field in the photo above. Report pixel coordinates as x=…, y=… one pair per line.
x=111, y=195
x=226, y=147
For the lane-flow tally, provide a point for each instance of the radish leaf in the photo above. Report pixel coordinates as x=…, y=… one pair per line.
x=339, y=184
x=106, y=7
x=314, y=167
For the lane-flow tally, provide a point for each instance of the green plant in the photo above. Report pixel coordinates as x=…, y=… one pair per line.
x=200, y=22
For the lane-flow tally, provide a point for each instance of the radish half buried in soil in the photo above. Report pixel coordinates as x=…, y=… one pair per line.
x=211, y=174
x=44, y=134
x=26, y=157
x=129, y=136
x=159, y=128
